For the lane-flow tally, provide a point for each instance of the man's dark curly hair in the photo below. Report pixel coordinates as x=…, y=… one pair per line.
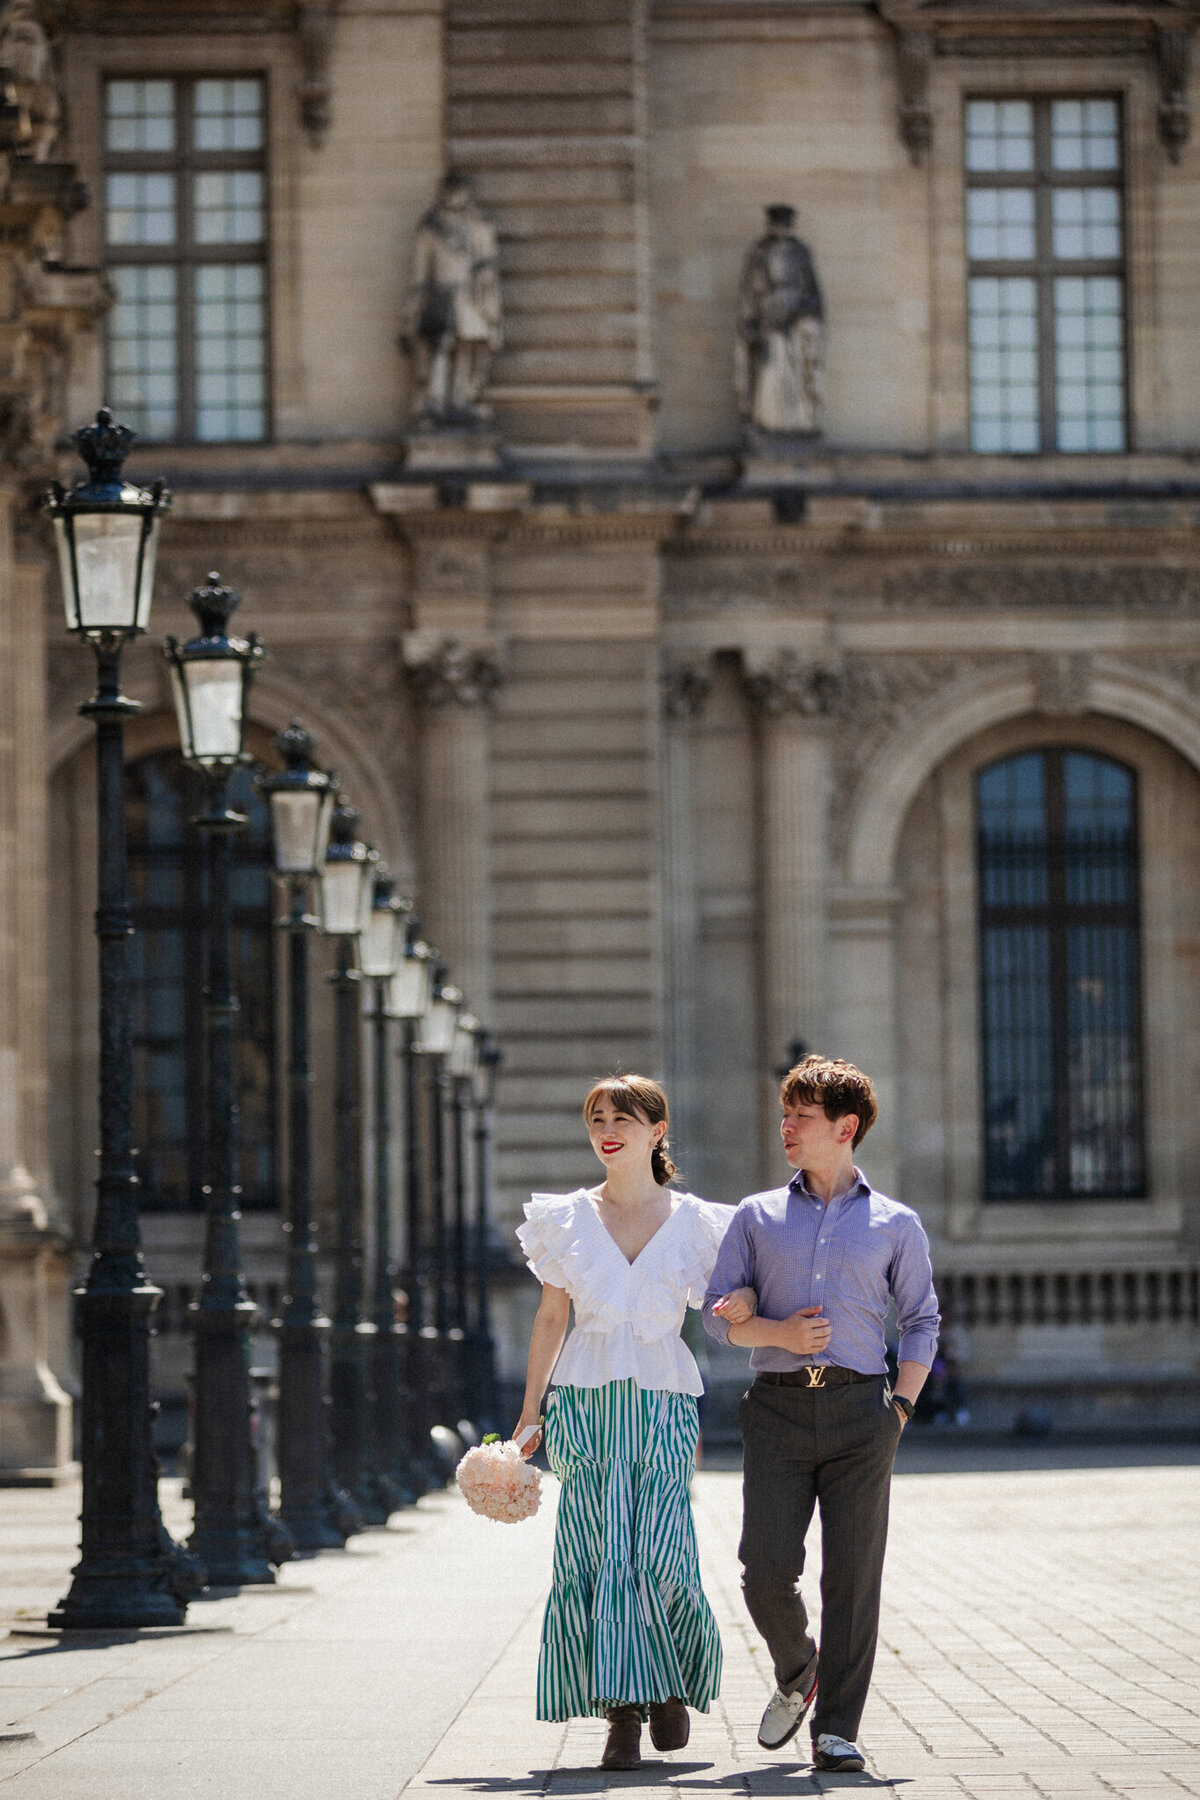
x=837, y=1086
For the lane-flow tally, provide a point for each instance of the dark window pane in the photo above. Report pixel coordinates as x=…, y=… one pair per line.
x=1060, y=959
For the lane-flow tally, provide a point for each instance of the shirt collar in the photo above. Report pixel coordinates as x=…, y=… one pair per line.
x=798, y=1185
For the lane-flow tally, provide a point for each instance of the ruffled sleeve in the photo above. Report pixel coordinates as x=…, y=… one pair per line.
x=549, y=1239
x=707, y=1234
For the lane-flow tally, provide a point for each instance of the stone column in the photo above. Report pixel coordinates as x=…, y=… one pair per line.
x=794, y=699
x=35, y=1413
x=685, y=688
x=454, y=681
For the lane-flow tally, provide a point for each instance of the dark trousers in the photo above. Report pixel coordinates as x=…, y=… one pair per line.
x=832, y=1448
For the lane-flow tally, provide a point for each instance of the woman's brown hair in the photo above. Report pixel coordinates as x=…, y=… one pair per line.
x=642, y=1099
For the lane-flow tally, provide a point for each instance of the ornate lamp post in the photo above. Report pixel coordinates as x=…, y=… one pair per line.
x=410, y=995
x=237, y=1540
x=130, y=1573
x=380, y=949
x=347, y=881
x=483, y=1345
x=435, y=1041
x=301, y=802
x=460, y=1067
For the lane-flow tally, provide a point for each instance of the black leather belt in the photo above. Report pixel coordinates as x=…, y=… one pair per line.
x=818, y=1375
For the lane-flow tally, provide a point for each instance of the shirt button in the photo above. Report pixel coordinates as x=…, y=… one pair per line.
x=818, y=1277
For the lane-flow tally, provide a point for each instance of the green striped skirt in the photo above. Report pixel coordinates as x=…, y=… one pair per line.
x=626, y=1620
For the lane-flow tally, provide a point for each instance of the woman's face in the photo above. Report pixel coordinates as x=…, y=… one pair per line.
x=622, y=1139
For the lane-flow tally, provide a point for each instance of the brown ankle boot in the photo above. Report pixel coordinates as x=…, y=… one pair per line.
x=670, y=1726
x=623, y=1749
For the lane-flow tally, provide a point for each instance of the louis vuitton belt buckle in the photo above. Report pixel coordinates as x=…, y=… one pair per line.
x=816, y=1375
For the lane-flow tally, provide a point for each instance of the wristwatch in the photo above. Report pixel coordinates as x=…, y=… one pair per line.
x=905, y=1405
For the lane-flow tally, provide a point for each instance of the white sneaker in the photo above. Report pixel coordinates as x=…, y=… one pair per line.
x=831, y=1752
x=784, y=1716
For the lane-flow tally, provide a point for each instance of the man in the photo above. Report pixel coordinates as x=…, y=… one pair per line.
x=825, y=1255
x=452, y=313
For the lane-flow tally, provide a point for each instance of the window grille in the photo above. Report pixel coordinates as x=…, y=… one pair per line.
x=1060, y=960
x=185, y=246
x=1046, y=275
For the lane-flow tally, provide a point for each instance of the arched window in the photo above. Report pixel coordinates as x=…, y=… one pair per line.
x=1058, y=896
x=167, y=957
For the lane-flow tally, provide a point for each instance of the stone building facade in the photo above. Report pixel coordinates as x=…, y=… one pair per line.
x=692, y=740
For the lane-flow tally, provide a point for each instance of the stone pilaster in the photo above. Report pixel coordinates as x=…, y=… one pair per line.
x=453, y=681
x=685, y=682
x=793, y=699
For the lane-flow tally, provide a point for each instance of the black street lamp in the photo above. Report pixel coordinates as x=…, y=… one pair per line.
x=410, y=994
x=435, y=1040
x=233, y=1533
x=483, y=1344
x=347, y=883
x=460, y=1068
x=130, y=1573
x=380, y=949
x=301, y=802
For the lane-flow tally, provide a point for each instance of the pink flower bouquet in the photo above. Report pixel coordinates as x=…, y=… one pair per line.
x=495, y=1480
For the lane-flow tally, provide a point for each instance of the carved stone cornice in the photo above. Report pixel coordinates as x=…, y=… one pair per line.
x=1002, y=29
x=686, y=683
x=795, y=686
x=449, y=671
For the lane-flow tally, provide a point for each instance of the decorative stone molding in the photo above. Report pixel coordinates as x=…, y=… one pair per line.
x=449, y=671
x=1061, y=681
x=356, y=680
x=315, y=21
x=1116, y=587
x=914, y=60
x=686, y=683
x=793, y=685
x=30, y=103
x=1174, y=85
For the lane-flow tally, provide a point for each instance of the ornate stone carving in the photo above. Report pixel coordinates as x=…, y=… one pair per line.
x=1116, y=587
x=30, y=108
x=1061, y=681
x=452, y=673
x=779, y=354
x=686, y=683
x=359, y=680
x=1174, y=83
x=914, y=59
x=793, y=684
x=452, y=315
x=314, y=30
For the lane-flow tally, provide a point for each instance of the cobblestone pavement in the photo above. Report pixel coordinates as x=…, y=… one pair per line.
x=1041, y=1637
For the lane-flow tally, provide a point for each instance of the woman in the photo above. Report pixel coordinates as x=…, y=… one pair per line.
x=628, y=1632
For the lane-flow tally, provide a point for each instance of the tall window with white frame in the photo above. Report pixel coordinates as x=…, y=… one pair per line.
x=186, y=248
x=1046, y=275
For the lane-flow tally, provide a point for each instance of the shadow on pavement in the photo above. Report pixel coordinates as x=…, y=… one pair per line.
x=772, y=1780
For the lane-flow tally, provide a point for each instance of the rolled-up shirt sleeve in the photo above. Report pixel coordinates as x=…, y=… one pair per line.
x=911, y=1281
x=734, y=1268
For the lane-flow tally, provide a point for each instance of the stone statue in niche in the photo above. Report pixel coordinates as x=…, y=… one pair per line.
x=779, y=366
x=452, y=314
x=28, y=84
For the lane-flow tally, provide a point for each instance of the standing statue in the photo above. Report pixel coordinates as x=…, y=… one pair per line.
x=779, y=357
x=27, y=79
x=452, y=314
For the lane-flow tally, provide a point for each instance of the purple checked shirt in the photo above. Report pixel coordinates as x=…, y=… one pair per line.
x=849, y=1257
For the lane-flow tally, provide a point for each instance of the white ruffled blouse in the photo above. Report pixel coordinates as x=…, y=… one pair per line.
x=627, y=1314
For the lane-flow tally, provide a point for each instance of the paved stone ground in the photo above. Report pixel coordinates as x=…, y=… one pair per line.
x=1041, y=1637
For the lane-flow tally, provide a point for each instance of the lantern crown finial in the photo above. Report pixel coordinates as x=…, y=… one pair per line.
x=345, y=822
x=296, y=746
x=214, y=605
x=104, y=447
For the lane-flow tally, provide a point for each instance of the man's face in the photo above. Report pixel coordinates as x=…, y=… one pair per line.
x=810, y=1140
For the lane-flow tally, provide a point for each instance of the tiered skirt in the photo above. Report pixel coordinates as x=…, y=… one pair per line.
x=626, y=1620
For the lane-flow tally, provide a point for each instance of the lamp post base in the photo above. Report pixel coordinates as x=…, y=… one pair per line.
x=231, y=1536
x=350, y=1348
x=390, y=1457
x=316, y=1514
x=131, y=1573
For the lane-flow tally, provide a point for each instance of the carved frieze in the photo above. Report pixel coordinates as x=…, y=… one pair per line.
x=1112, y=587
x=450, y=672
x=792, y=685
x=686, y=683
